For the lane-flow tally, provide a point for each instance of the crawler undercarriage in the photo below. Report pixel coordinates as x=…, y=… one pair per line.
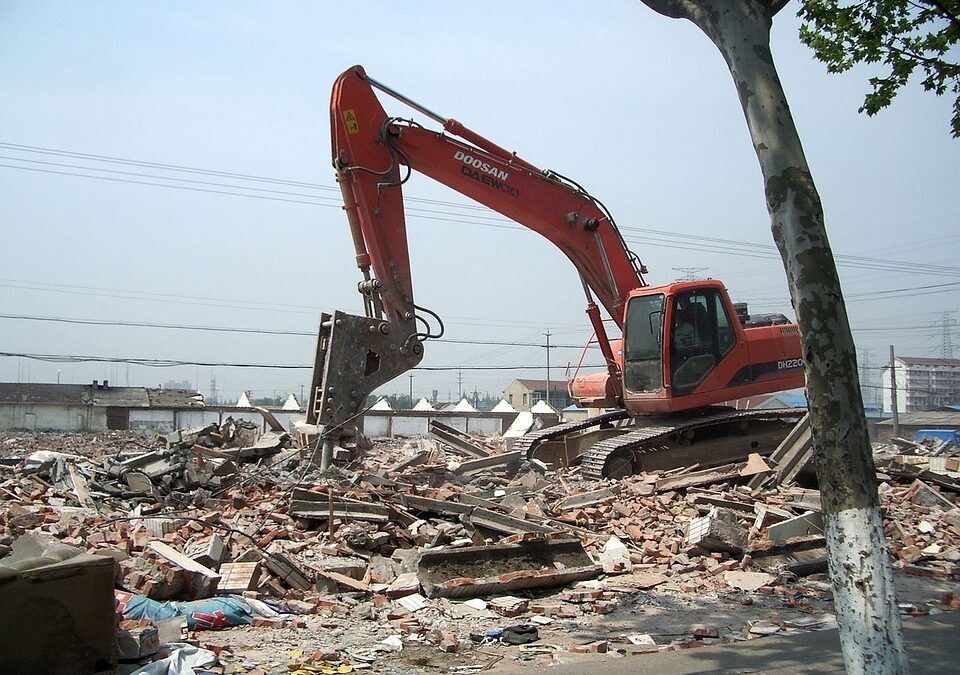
x=616, y=444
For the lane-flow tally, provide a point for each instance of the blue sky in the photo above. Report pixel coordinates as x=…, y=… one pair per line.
x=637, y=108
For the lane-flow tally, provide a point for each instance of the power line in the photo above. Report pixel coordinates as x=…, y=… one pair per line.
x=648, y=236
x=256, y=331
x=158, y=165
x=734, y=248
x=172, y=363
x=72, y=289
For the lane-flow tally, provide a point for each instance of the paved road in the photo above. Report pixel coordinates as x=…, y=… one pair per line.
x=933, y=643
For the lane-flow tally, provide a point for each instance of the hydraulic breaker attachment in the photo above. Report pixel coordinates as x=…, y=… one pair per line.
x=355, y=355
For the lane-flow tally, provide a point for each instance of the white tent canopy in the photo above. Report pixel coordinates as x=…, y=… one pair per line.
x=464, y=406
x=423, y=404
x=543, y=408
x=381, y=404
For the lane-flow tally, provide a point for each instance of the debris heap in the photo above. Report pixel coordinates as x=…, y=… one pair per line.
x=444, y=545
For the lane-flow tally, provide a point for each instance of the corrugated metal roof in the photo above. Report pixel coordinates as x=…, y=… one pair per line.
x=932, y=418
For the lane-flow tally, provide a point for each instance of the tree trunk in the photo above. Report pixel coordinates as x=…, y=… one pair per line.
x=864, y=594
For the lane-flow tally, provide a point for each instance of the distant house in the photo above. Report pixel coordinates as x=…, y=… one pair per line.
x=784, y=399
x=524, y=394
x=572, y=413
x=92, y=407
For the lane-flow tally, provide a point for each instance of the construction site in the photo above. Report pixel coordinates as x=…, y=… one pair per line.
x=226, y=547
x=680, y=510
x=465, y=420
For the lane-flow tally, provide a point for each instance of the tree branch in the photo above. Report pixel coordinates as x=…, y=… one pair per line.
x=924, y=60
x=774, y=6
x=945, y=11
x=674, y=9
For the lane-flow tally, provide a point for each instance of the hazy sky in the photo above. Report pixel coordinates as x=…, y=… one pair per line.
x=637, y=108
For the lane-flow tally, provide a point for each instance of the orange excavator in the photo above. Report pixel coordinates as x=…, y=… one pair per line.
x=683, y=347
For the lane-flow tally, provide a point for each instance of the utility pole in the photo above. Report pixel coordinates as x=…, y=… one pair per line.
x=547, y=334
x=411, y=389
x=893, y=393
x=459, y=384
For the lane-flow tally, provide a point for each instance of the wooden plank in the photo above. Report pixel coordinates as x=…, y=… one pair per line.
x=344, y=580
x=80, y=488
x=717, y=474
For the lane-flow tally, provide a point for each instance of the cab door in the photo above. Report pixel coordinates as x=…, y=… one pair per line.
x=700, y=336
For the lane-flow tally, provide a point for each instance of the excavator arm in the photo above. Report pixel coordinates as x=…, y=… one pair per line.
x=373, y=154
x=371, y=150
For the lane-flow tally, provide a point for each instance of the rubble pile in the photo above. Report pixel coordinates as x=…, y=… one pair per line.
x=424, y=547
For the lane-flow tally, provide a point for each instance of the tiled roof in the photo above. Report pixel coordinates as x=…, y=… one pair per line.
x=534, y=385
x=97, y=396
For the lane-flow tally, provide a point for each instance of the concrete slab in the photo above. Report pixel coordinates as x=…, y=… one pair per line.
x=502, y=568
x=489, y=462
x=808, y=523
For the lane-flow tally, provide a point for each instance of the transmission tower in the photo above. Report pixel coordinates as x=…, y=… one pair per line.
x=946, y=345
x=690, y=273
x=869, y=392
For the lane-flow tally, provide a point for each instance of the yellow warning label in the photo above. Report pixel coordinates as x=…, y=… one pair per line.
x=350, y=119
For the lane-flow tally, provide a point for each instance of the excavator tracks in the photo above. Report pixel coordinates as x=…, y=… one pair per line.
x=528, y=442
x=617, y=456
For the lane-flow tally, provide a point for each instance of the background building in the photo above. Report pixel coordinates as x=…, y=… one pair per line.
x=922, y=384
x=92, y=407
x=524, y=394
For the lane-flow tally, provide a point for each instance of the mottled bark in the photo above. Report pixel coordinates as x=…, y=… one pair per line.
x=871, y=633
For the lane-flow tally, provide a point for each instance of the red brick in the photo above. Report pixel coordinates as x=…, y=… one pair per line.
x=598, y=647
x=263, y=622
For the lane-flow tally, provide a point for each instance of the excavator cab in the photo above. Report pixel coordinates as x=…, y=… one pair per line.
x=684, y=346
